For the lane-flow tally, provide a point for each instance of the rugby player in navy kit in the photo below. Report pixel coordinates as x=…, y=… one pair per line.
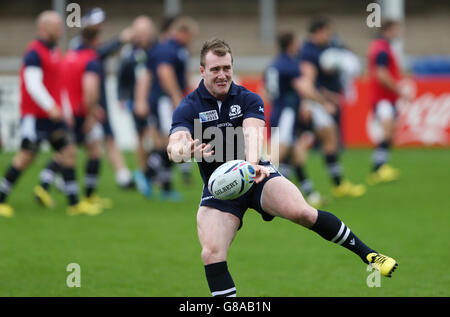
x=323, y=108
x=285, y=87
x=167, y=66
x=218, y=103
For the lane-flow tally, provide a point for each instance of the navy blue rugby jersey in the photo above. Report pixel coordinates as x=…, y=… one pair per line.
x=200, y=114
x=278, y=82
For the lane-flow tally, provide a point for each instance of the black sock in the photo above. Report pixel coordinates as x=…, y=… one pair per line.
x=305, y=184
x=334, y=168
x=70, y=185
x=380, y=155
x=11, y=176
x=47, y=175
x=166, y=171
x=154, y=163
x=91, y=177
x=329, y=227
x=219, y=280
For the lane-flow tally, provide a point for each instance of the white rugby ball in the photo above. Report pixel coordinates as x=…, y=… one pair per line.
x=231, y=180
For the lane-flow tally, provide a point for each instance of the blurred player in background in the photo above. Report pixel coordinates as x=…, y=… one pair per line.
x=41, y=115
x=169, y=78
x=218, y=221
x=283, y=82
x=323, y=105
x=83, y=71
x=134, y=57
x=95, y=19
x=384, y=76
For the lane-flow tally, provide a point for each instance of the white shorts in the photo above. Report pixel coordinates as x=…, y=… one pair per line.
x=385, y=110
x=165, y=112
x=285, y=128
x=321, y=118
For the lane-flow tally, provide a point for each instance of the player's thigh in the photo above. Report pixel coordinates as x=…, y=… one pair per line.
x=216, y=229
x=93, y=141
x=385, y=113
x=281, y=198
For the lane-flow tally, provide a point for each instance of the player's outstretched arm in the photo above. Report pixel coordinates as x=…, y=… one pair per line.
x=182, y=147
x=253, y=136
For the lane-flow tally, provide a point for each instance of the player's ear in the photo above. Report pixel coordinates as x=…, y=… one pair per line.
x=202, y=71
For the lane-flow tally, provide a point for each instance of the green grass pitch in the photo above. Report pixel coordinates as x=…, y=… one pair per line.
x=149, y=248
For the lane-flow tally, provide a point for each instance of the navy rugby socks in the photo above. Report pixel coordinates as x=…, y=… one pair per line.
x=329, y=227
x=7, y=182
x=70, y=185
x=380, y=155
x=47, y=175
x=219, y=280
x=334, y=168
x=91, y=176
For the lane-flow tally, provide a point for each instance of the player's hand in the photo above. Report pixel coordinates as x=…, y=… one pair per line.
x=99, y=114
x=141, y=110
x=330, y=107
x=198, y=150
x=89, y=123
x=55, y=114
x=305, y=114
x=261, y=173
x=70, y=121
x=126, y=35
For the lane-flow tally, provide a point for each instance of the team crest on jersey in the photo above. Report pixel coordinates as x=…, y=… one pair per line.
x=208, y=116
x=235, y=111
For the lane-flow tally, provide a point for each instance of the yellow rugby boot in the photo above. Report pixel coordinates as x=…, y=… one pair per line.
x=385, y=174
x=6, y=210
x=83, y=208
x=386, y=265
x=43, y=197
x=348, y=189
x=103, y=203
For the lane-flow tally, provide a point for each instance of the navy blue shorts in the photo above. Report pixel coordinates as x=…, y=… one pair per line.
x=107, y=129
x=238, y=206
x=80, y=137
x=34, y=130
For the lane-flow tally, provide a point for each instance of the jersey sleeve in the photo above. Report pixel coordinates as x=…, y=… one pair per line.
x=94, y=66
x=294, y=72
x=32, y=59
x=165, y=56
x=382, y=59
x=183, y=118
x=307, y=55
x=254, y=107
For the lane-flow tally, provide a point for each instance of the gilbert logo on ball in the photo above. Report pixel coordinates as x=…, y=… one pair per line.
x=231, y=180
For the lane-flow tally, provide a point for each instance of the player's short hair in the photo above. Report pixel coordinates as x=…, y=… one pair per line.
x=88, y=34
x=167, y=22
x=184, y=24
x=318, y=23
x=387, y=24
x=218, y=47
x=284, y=39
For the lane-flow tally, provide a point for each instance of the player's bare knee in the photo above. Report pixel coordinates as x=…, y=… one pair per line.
x=212, y=254
x=68, y=155
x=304, y=215
x=23, y=159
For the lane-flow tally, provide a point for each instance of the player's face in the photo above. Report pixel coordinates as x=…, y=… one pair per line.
x=324, y=35
x=54, y=30
x=217, y=74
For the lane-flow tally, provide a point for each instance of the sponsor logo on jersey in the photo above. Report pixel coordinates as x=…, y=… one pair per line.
x=208, y=116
